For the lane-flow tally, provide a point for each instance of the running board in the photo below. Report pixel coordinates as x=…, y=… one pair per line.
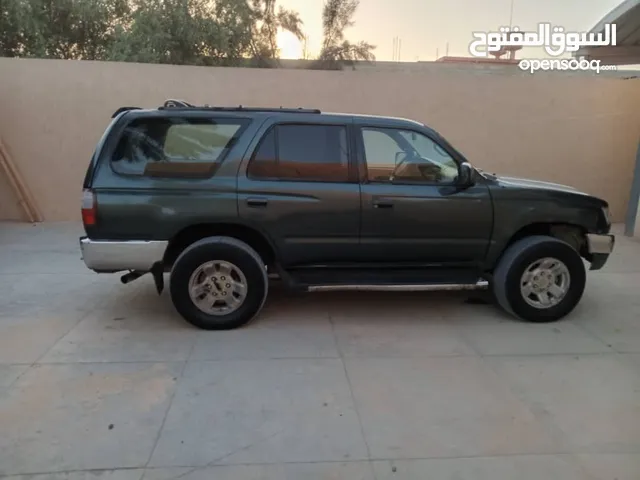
x=480, y=285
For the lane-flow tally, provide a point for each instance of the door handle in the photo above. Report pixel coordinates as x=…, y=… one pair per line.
x=257, y=202
x=382, y=204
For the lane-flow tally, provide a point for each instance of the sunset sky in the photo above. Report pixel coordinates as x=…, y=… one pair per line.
x=427, y=25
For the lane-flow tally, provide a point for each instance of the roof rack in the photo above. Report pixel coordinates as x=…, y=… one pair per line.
x=172, y=103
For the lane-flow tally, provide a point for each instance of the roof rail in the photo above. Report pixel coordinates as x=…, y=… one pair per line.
x=123, y=109
x=171, y=103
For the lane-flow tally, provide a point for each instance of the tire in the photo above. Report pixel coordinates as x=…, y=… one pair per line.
x=249, y=270
x=518, y=258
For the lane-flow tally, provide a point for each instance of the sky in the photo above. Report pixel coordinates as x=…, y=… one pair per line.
x=427, y=26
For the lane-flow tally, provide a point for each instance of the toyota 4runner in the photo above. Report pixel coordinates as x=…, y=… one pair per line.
x=225, y=198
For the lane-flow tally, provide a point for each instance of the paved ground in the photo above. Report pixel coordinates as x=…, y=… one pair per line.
x=103, y=380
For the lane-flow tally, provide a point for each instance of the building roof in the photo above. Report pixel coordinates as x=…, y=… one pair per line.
x=495, y=61
x=626, y=16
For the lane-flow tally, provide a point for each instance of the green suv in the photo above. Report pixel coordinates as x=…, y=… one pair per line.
x=226, y=198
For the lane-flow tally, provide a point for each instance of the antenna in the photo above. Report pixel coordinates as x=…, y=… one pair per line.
x=511, y=15
x=397, y=46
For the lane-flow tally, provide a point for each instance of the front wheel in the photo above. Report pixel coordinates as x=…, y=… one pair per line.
x=539, y=279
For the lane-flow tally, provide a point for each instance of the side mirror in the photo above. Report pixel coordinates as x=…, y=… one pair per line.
x=466, y=175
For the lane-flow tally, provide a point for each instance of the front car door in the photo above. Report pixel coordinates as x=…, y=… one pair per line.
x=412, y=209
x=299, y=185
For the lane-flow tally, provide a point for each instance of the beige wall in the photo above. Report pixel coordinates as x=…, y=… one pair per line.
x=581, y=130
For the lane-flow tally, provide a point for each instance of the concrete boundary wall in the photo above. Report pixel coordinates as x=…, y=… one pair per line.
x=581, y=130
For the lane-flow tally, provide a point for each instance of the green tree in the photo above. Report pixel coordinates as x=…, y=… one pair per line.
x=194, y=32
x=267, y=21
x=13, y=16
x=337, y=16
x=80, y=29
x=185, y=32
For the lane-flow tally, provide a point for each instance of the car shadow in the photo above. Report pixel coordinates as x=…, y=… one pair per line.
x=286, y=306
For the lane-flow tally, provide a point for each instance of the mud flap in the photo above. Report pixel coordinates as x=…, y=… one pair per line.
x=158, y=276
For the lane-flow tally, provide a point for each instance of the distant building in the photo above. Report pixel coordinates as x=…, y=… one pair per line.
x=509, y=50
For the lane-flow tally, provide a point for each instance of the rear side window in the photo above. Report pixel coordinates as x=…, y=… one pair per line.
x=303, y=153
x=175, y=147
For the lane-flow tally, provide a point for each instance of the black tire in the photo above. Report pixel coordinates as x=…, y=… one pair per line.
x=227, y=249
x=514, y=262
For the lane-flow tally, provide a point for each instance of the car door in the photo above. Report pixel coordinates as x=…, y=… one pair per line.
x=299, y=185
x=412, y=209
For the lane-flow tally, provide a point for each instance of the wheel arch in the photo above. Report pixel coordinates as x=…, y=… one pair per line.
x=571, y=233
x=192, y=233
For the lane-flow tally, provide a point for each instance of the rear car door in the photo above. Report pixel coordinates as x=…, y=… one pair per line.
x=412, y=209
x=299, y=185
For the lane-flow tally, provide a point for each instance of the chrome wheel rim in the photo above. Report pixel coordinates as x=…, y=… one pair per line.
x=545, y=283
x=218, y=287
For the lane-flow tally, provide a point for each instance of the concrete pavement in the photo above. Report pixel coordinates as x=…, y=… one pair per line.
x=103, y=380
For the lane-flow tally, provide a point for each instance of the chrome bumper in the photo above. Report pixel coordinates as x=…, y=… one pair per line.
x=597, y=244
x=116, y=256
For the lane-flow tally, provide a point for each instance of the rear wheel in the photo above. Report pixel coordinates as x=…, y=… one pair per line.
x=539, y=279
x=219, y=283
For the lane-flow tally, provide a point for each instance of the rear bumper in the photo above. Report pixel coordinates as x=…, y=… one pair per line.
x=599, y=248
x=115, y=256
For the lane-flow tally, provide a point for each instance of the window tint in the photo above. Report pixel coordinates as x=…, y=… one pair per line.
x=397, y=156
x=303, y=152
x=264, y=163
x=175, y=146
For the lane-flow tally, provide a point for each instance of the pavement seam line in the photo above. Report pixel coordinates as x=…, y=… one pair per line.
x=37, y=360
x=332, y=462
x=595, y=336
x=166, y=414
x=557, y=437
x=353, y=398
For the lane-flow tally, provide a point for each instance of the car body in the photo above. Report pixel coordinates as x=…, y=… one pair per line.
x=326, y=201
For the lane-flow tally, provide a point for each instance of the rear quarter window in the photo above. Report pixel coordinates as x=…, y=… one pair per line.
x=175, y=147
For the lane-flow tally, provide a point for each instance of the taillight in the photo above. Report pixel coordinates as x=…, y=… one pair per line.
x=89, y=205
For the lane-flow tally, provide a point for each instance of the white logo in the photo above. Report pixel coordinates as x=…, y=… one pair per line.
x=554, y=40
x=563, y=64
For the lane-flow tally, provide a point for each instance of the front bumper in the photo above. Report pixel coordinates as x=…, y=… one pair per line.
x=599, y=248
x=107, y=256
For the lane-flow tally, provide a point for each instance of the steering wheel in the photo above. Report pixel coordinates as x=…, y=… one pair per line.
x=397, y=166
x=420, y=162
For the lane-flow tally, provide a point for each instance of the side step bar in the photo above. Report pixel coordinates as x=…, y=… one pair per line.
x=480, y=285
x=397, y=281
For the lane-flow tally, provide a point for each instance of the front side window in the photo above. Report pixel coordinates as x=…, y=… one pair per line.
x=175, y=146
x=303, y=153
x=404, y=156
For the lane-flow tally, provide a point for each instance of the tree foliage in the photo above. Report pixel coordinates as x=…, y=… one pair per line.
x=267, y=22
x=337, y=16
x=82, y=29
x=186, y=32
x=194, y=32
